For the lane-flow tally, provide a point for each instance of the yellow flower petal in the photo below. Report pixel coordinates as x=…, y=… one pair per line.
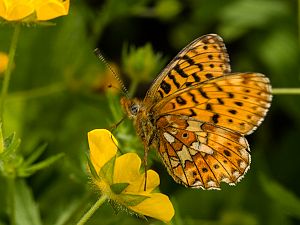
x=2, y=9
x=3, y=62
x=132, y=163
x=138, y=186
x=132, y=175
x=103, y=146
x=157, y=206
x=46, y=10
x=15, y=9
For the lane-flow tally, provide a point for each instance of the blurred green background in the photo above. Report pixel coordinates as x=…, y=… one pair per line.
x=58, y=92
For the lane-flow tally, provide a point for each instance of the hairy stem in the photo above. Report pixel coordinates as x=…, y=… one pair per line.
x=92, y=210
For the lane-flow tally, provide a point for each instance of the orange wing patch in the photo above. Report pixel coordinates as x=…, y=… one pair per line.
x=237, y=101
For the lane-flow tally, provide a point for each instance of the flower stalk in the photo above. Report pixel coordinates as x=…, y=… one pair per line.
x=286, y=91
x=92, y=210
x=8, y=71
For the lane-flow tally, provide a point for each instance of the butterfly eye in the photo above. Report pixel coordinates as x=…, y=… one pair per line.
x=134, y=109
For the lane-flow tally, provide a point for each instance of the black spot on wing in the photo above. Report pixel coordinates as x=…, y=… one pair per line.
x=165, y=86
x=172, y=77
x=204, y=95
x=188, y=59
x=215, y=118
x=193, y=98
x=180, y=100
x=180, y=71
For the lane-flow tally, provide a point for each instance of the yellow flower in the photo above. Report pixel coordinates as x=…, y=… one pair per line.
x=119, y=178
x=46, y=10
x=3, y=62
x=13, y=10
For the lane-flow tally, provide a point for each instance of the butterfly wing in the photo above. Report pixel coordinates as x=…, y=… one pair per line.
x=201, y=113
x=198, y=154
x=203, y=59
x=238, y=101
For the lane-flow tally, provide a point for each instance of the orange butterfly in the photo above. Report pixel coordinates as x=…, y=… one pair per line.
x=197, y=112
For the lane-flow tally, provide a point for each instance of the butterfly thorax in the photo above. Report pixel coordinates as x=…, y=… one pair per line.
x=143, y=121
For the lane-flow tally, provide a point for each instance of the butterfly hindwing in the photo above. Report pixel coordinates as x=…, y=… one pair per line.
x=200, y=154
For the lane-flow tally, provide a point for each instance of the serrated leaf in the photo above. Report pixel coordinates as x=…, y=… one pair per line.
x=133, y=200
x=288, y=201
x=27, y=171
x=107, y=170
x=118, y=187
x=26, y=210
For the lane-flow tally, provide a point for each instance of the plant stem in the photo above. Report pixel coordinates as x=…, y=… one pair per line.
x=11, y=199
x=299, y=22
x=7, y=74
x=91, y=211
x=286, y=91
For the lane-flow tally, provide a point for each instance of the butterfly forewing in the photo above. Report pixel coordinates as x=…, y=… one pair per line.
x=237, y=101
x=203, y=59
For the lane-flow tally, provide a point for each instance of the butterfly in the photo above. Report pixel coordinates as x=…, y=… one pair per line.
x=197, y=113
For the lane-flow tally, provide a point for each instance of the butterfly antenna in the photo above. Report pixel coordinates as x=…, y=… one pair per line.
x=100, y=56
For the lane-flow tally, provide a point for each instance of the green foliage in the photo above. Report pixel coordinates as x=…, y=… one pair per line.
x=58, y=92
x=141, y=63
x=285, y=199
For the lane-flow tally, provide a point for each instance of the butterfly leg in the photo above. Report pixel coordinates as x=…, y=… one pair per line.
x=114, y=126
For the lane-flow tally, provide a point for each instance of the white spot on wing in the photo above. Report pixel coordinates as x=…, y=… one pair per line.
x=211, y=183
x=243, y=165
x=194, y=126
x=196, y=145
x=184, y=155
x=169, y=137
x=197, y=184
x=236, y=174
x=206, y=149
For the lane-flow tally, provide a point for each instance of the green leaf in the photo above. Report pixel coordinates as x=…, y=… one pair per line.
x=26, y=209
x=36, y=153
x=107, y=170
x=133, y=200
x=27, y=171
x=118, y=187
x=288, y=201
x=11, y=143
x=241, y=16
x=92, y=168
